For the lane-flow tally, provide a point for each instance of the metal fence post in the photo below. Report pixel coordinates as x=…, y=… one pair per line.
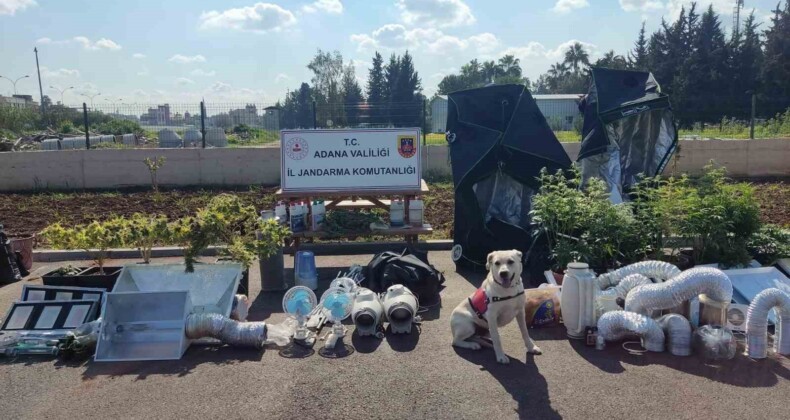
x=85, y=120
x=754, y=112
x=203, y=122
x=315, y=117
x=423, y=123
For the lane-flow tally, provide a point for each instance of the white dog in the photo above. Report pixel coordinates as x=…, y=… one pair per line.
x=498, y=300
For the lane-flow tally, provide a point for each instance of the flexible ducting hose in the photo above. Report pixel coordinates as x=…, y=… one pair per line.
x=757, y=323
x=677, y=330
x=616, y=325
x=653, y=269
x=700, y=280
x=246, y=334
x=625, y=285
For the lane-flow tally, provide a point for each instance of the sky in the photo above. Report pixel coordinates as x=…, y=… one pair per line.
x=245, y=51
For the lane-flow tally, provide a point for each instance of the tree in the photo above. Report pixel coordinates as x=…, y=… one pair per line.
x=507, y=70
x=327, y=71
x=391, y=73
x=490, y=71
x=775, y=74
x=637, y=58
x=303, y=106
x=352, y=95
x=744, y=66
x=610, y=60
x=451, y=83
x=376, y=89
x=576, y=57
x=407, y=93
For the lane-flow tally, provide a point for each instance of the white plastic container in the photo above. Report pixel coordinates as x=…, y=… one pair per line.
x=297, y=218
x=416, y=213
x=578, y=299
x=281, y=212
x=319, y=212
x=396, y=213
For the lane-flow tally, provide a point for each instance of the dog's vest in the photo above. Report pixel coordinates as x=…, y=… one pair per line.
x=479, y=301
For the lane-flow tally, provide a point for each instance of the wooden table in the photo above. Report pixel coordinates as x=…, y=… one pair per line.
x=360, y=199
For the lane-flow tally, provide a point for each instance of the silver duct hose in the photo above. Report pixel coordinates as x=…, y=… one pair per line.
x=700, y=280
x=246, y=334
x=757, y=323
x=653, y=269
x=617, y=325
x=625, y=285
x=677, y=330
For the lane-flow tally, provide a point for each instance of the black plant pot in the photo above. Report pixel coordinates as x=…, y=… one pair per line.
x=89, y=277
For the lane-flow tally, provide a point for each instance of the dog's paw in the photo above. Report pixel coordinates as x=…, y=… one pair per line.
x=535, y=350
x=474, y=346
x=502, y=359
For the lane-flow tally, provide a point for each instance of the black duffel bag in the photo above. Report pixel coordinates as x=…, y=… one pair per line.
x=411, y=269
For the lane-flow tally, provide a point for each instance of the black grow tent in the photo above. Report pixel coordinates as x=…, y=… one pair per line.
x=498, y=141
x=629, y=129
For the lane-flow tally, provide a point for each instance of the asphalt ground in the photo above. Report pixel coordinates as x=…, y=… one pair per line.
x=402, y=376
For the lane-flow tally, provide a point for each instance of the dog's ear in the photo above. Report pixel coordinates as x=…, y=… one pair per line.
x=488, y=260
x=518, y=253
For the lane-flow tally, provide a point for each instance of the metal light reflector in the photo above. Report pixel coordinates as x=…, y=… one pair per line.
x=49, y=315
x=34, y=293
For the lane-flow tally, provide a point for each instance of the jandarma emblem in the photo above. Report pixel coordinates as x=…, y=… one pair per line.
x=406, y=146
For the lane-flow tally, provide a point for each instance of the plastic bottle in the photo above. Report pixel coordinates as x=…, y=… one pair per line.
x=577, y=299
x=396, y=213
x=297, y=218
x=319, y=212
x=416, y=213
x=281, y=212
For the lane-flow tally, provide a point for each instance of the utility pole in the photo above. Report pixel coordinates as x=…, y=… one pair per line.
x=91, y=98
x=40, y=89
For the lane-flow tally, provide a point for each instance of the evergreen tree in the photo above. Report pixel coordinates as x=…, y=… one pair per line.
x=406, y=95
x=637, y=58
x=775, y=73
x=352, y=95
x=327, y=71
x=744, y=67
x=304, y=107
x=391, y=74
x=376, y=88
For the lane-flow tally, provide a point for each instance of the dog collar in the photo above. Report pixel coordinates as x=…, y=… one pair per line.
x=479, y=301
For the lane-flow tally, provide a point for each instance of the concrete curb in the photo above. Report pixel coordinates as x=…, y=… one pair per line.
x=343, y=248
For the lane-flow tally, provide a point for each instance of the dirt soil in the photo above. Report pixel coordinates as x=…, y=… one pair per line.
x=24, y=214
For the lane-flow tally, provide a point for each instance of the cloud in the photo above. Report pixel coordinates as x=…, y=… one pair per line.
x=85, y=42
x=641, y=5
x=102, y=44
x=10, y=7
x=334, y=7
x=143, y=72
x=434, y=41
x=203, y=73
x=281, y=78
x=187, y=59
x=430, y=13
x=59, y=73
x=138, y=56
x=183, y=81
x=221, y=87
x=536, y=57
x=566, y=6
x=259, y=18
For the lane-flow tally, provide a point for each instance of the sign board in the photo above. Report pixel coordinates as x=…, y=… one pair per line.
x=346, y=160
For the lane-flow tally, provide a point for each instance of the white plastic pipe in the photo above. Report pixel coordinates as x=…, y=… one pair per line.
x=699, y=280
x=677, y=330
x=757, y=323
x=653, y=269
x=616, y=325
x=625, y=285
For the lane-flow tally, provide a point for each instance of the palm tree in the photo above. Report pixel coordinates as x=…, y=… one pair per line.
x=576, y=56
x=510, y=66
x=490, y=71
x=557, y=70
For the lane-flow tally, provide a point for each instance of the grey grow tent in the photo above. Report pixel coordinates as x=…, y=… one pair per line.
x=629, y=129
x=499, y=141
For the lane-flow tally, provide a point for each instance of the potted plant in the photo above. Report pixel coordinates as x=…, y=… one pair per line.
x=769, y=244
x=144, y=232
x=227, y=221
x=96, y=238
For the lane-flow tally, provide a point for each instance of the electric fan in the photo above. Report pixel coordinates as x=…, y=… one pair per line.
x=298, y=302
x=338, y=303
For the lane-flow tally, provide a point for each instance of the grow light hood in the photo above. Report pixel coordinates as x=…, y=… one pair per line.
x=211, y=286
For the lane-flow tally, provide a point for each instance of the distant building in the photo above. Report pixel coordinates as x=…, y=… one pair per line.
x=247, y=116
x=157, y=116
x=18, y=101
x=271, y=118
x=559, y=110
